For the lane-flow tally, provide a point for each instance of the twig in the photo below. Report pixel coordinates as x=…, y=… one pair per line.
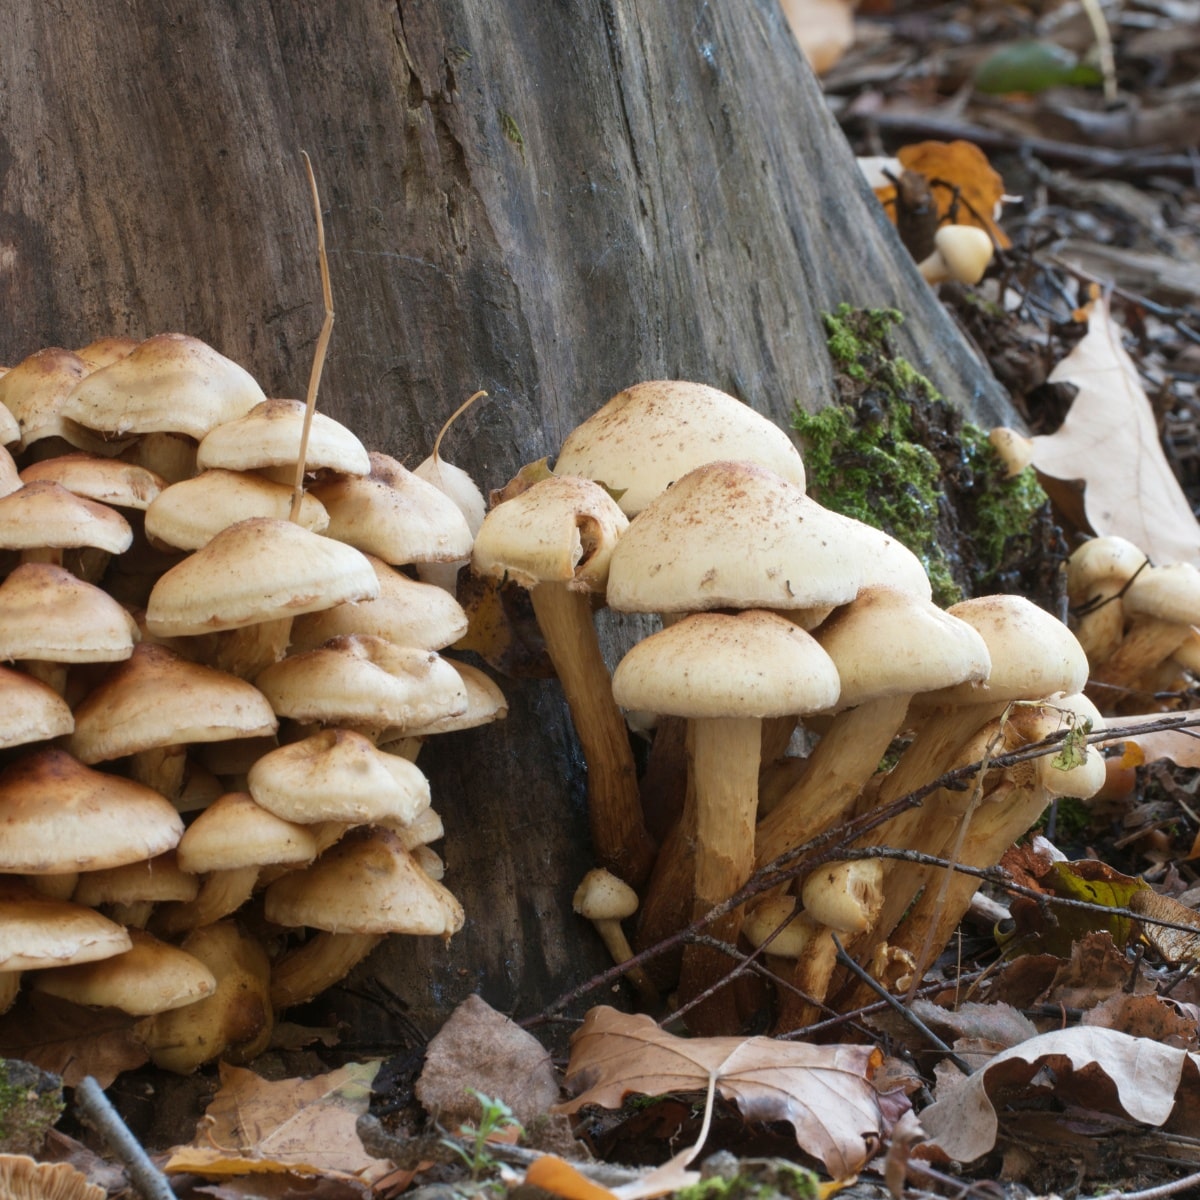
x=94, y=1108
x=1163, y=1189
x=314, y=377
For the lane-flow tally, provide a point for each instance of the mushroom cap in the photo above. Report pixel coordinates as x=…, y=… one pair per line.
x=1033, y=653
x=844, y=896
x=601, y=896
x=367, y=883
x=234, y=831
x=406, y=611
x=150, y=977
x=37, y=932
x=45, y=514
x=269, y=436
x=652, y=434
x=1106, y=563
x=21, y=1178
x=105, y=480
x=30, y=711
x=188, y=514
x=796, y=930
x=10, y=431
x=48, y=615
x=35, y=391
x=257, y=570
x=395, y=515
x=1085, y=779
x=485, y=703
x=10, y=477
x=965, y=250
x=887, y=642
x=171, y=383
x=458, y=485
x=104, y=350
x=338, y=775
x=59, y=815
x=888, y=562
x=561, y=529
x=1170, y=593
x=147, y=879
x=363, y=680
x=733, y=535
x=155, y=698
x=754, y=664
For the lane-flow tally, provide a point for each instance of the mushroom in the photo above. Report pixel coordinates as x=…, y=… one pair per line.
x=556, y=539
x=1098, y=572
x=605, y=900
x=130, y=892
x=42, y=519
x=105, y=480
x=961, y=253
x=30, y=711
x=34, y=393
x=725, y=674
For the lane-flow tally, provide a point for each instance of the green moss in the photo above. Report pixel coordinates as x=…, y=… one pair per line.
x=30, y=1103
x=757, y=1180
x=895, y=455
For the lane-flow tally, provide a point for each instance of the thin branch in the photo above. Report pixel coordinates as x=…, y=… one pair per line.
x=94, y=1109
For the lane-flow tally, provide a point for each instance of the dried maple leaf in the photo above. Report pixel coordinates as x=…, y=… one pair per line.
x=1110, y=441
x=824, y=1092
x=1100, y=1068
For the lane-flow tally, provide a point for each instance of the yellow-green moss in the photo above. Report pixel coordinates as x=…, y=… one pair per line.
x=757, y=1180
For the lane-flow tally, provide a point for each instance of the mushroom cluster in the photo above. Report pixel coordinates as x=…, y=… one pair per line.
x=215, y=693
x=778, y=617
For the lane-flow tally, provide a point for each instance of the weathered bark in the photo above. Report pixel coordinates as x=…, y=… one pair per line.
x=546, y=200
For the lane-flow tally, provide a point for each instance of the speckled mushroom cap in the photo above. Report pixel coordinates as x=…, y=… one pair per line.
x=59, y=816
x=269, y=436
x=10, y=477
x=105, y=480
x=366, y=883
x=485, y=703
x=146, y=880
x=171, y=383
x=395, y=515
x=30, y=711
x=49, y=615
x=37, y=932
x=151, y=976
x=1102, y=566
x=188, y=514
x=888, y=642
x=734, y=535
x=45, y=514
x=10, y=431
x=1033, y=653
x=561, y=529
x=235, y=831
x=338, y=775
x=652, y=434
x=254, y=571
x=156, y=698
x=753, y=664
x=35, y=391
x=105, y=350
x=406, y=611
x=365, y=681
x=1170, y=593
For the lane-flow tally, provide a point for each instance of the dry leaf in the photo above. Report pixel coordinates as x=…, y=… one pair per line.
x=1116, y=1072
x=559, y=1178
x=823, y=1091
x=1110, y=441
x=296, y=1126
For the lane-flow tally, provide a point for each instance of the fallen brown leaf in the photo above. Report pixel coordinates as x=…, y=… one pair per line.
x=824, y=1092
x=1109, y=440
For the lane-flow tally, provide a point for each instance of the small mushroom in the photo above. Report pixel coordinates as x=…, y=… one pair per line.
x=606, y=901
x=961, y=253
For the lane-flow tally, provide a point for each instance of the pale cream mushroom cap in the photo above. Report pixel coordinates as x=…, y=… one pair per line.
x=754, y=664
x=49, y=615
x=45, y=514
x=105, y=350
x=106, y=480
x=171, y=383
x=59, y=816
x=1101, y=566
x=146, y=880
x=1169, y=593
x=406, y=611
x=458, y=485
x=10, y=431
x=601, y=896
x=888, y=642
x=367, y=883
x=269, y=436
x=561, y=529
x=30, y=711
x=886, y=561
x=363, y=680
x=795, y=930
x=10, y=477
x=734, y=535
x=1086, y=778
x=652, y=434
x=188, y=514
x=37, y=932
x=152, y=976
x=235, y=831
x=35, y=391
x=257, y=570
x=844, y=896
x=155, y=698
x=960, y=253
x=338, y=775
x=485, y=703
x=395, y=515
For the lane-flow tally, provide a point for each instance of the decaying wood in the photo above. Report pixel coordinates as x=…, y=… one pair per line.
x=549, y=202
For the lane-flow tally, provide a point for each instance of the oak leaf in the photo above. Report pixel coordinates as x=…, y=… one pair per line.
x=1109, y=440
x=824, y=1092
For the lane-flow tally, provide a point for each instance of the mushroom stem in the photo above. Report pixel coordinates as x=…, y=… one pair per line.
x=10, y=985
x=221, y=893
x=162, y=768
x=323, y=960
x=1148, y=642
x=247, y=651
x=619, y=836
x=847, y=755
x=52, y=674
